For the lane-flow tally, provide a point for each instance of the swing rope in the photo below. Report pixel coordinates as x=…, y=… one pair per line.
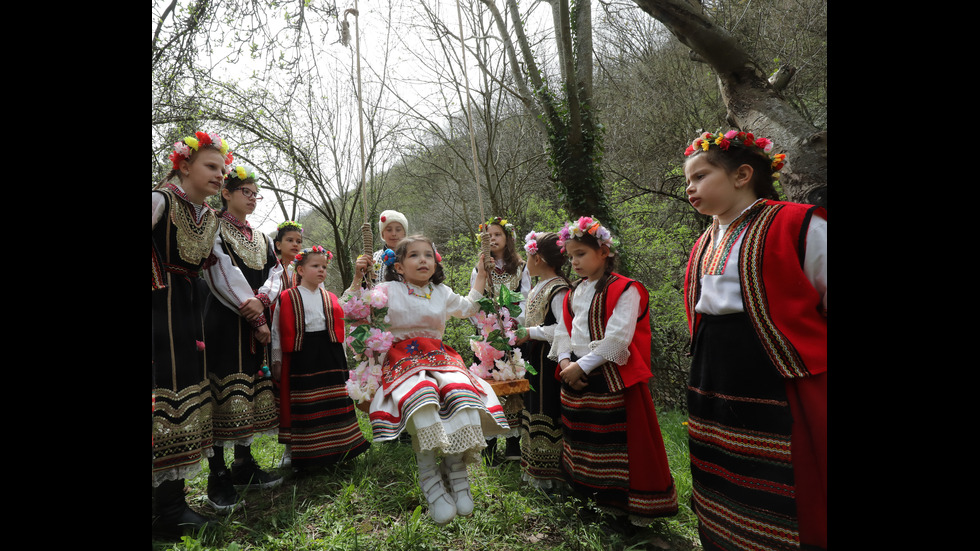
x=367, y=238
x=484, y=236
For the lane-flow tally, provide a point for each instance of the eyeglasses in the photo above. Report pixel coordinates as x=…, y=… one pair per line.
x=249, y=193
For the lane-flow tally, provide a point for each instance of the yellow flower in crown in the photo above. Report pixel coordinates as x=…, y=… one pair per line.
x=240, y=171
x=192, y=142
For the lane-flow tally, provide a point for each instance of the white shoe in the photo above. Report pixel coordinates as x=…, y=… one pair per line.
x=441, y=506
x=454, y=472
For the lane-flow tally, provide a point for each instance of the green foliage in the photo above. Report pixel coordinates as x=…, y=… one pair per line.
x=373, y=502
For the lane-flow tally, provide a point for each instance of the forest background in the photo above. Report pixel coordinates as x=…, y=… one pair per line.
x=578, y=108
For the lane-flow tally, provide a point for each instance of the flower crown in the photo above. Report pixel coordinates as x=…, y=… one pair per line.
x=290, y=225
x=531, y=243
x=190, y=145
x=585, y=225
x=724, y=141
x=502, y=222
x=242, y=173
x=315, y=249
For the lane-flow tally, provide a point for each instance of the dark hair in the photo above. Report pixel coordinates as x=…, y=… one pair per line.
x=593, y=243
x=550, y=252
x=738, y=155
x=438, y=276
x=232, y=183
x=512, y=261
x=303, y=260
x=282, y=233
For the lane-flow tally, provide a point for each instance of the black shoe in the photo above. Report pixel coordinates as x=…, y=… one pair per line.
x=221, y=492
x=513, y=450
x=172, y=517
x=248, y=475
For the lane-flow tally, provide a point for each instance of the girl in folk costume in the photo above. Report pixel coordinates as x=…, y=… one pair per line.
x=184, y=227
x=245, y=274
x=510, y=270
x=307, y=344
x=393, y=227
x=613, y=449
x=425, y=387
x=756, y=298
x=288, y=243
x=541, y=419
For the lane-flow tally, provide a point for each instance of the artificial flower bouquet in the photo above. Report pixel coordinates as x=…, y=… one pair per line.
x=497, y=357
x=368, y=339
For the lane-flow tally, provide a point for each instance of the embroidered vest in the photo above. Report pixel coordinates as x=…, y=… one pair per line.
x=292, y=319
x=780, y=301
x=538, y=306
x=637, y=367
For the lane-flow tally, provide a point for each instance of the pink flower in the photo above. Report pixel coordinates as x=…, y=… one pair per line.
x=200, y=346
x=355, y=309
x=485, y=352
x=376, y=298
x=378, y=341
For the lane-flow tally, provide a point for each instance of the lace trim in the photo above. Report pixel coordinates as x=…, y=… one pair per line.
x=245, y=441
x=612, y=350
x=181, y=473
x=467, y=441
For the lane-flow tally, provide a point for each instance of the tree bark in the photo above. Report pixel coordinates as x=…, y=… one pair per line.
x=753, y=104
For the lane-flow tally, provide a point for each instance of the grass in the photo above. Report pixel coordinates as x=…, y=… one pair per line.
x=373, y=503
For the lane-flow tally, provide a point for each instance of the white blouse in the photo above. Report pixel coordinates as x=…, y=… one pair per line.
x=413, y=315
x=613, y=347
x=313, y=317
x=229, y=285
x=159, y=203
x=722, y=294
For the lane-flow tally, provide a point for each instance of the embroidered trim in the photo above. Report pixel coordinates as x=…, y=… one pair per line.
x=195, y=238
x=782, y=353
x=251, y=247
x=716, y=259
x=538, y=303
x=597, y=331
x=513, y=281
x=299, y=317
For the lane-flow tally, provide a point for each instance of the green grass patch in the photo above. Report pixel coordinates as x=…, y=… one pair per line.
x=373, y=503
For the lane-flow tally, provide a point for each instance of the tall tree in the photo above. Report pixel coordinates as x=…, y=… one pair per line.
x=565, y=110
x=753, y=100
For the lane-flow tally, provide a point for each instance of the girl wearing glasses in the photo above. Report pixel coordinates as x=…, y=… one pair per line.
x=244, y=278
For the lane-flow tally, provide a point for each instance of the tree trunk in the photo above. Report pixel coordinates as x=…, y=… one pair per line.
x=753, y=104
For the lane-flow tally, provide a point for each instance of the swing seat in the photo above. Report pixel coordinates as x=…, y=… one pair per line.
x=506, y=388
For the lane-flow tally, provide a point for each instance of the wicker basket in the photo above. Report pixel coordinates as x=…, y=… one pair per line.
x=506, y=388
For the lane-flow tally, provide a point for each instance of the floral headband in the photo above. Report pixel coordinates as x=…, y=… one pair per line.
x=290, y=225
x=724, y=141
x=315, y=249
x=190, y=145
x=242, y=173
x=502, y=222
x=585, y=225
x=531, y=243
